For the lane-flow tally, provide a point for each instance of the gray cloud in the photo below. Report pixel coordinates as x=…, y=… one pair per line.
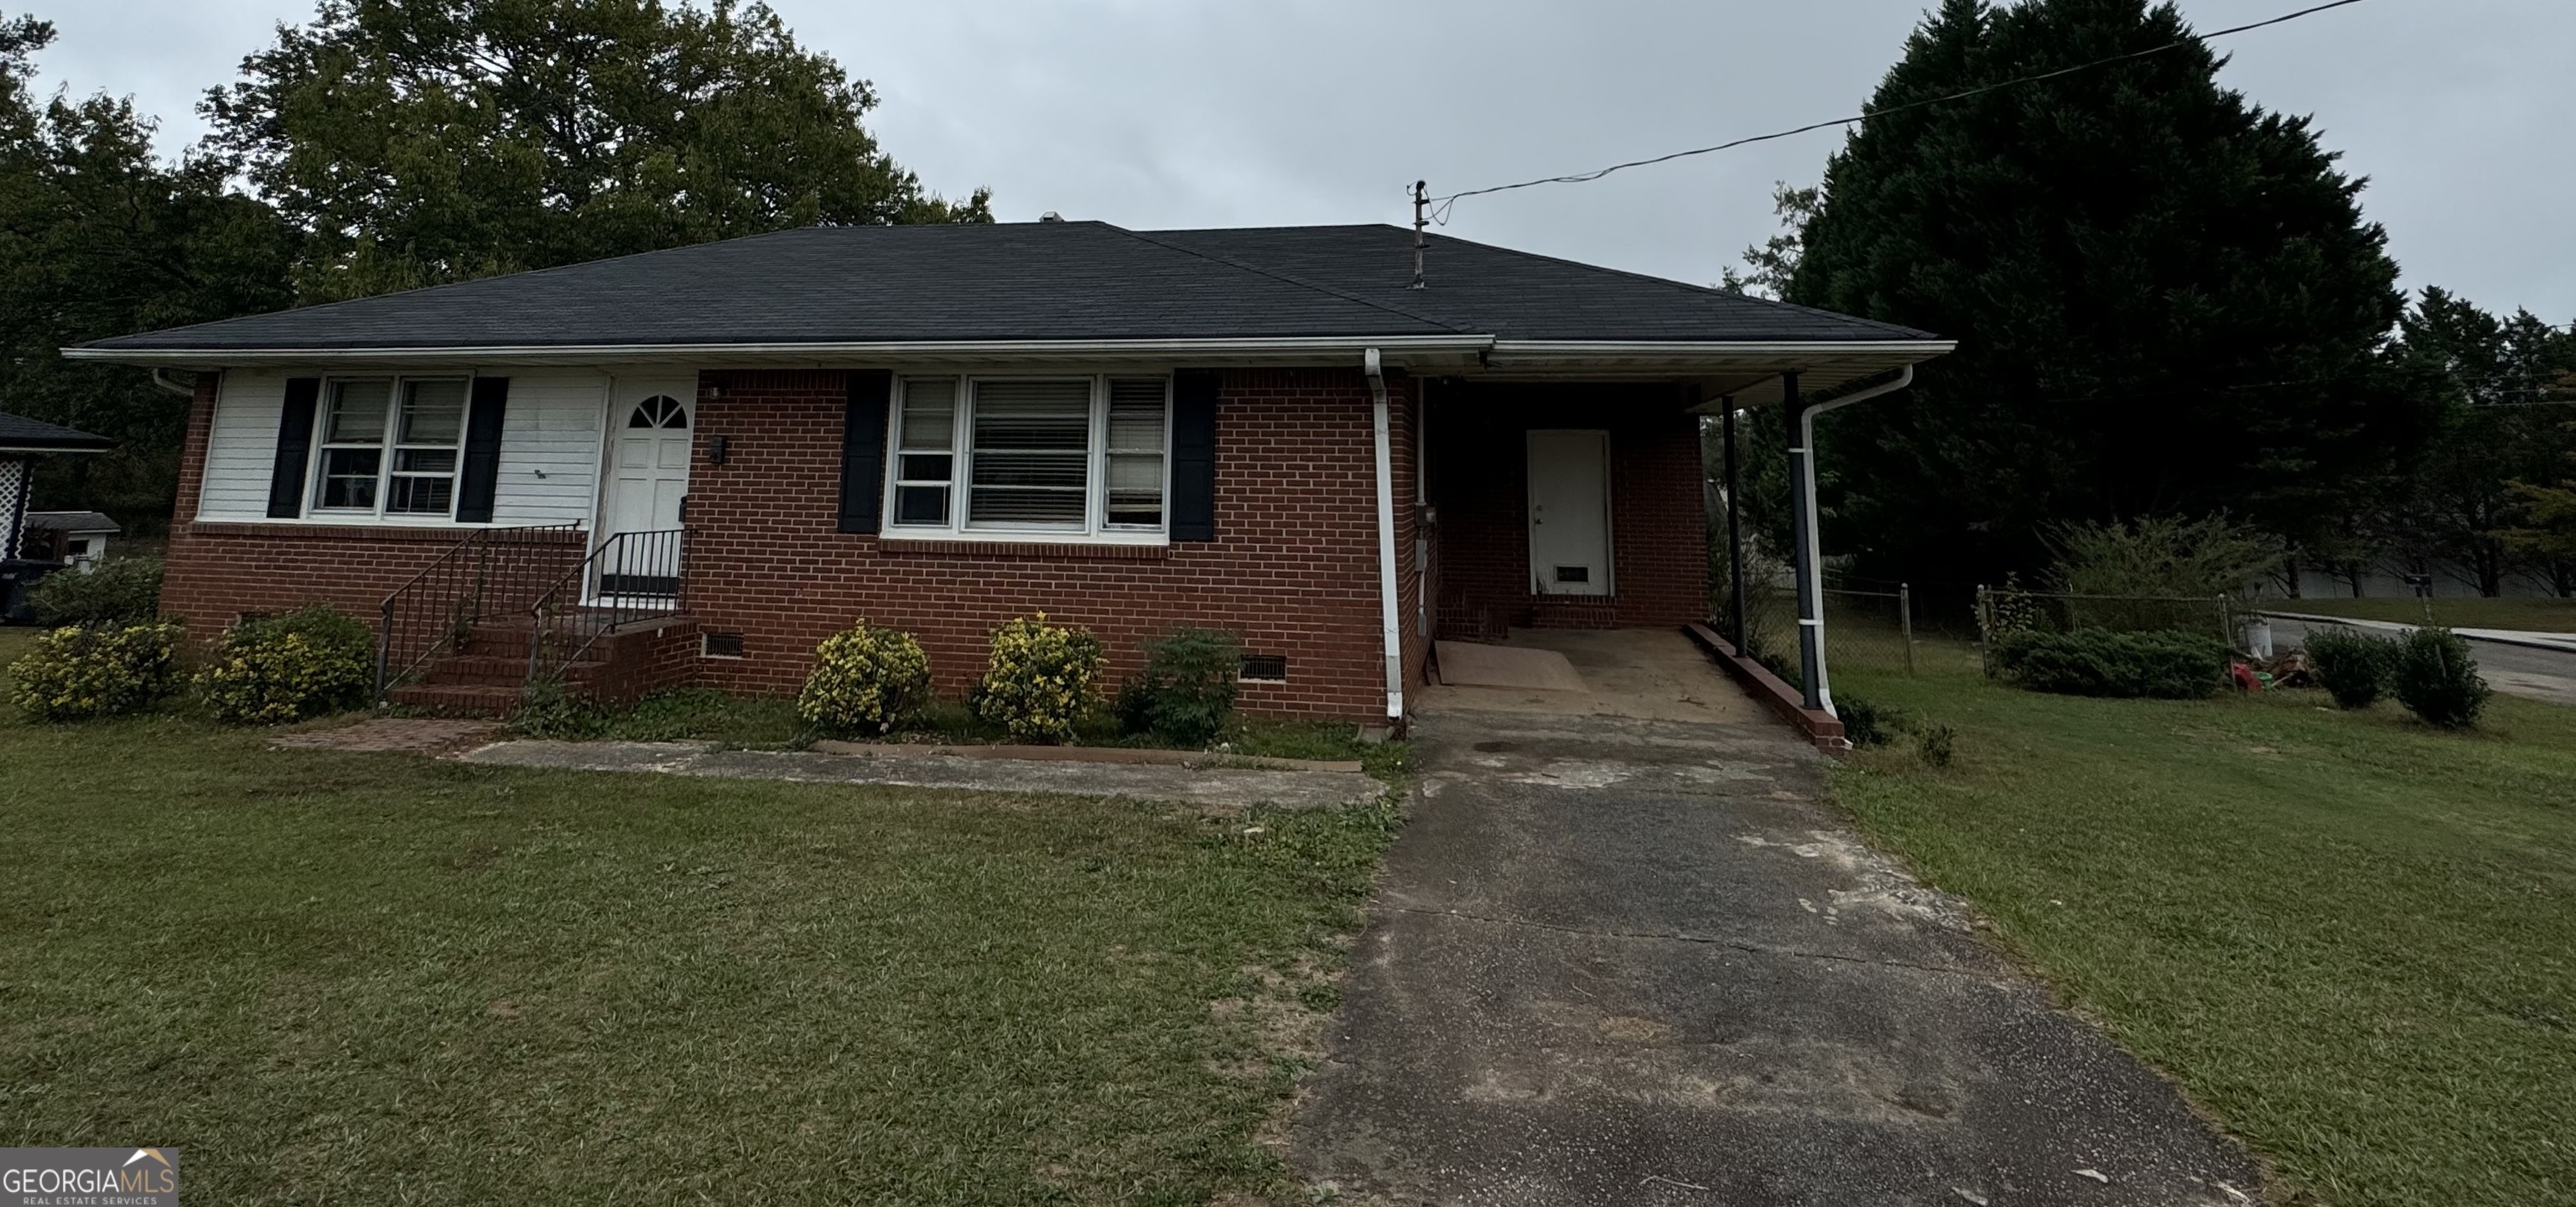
x=1212, y=114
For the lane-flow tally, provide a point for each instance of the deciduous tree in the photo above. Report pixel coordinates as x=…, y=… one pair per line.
x=418, y=143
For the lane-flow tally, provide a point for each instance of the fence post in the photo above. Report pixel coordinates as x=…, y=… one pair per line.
x=1905, y=620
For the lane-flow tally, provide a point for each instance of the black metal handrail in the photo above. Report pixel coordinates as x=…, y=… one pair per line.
x=631, y=576
x=492, y=572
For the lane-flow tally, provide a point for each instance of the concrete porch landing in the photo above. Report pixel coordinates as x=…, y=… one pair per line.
x=1649, y=674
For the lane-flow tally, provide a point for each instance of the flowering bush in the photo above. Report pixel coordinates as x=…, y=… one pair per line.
x=1039, y=679
x=306, y=663
x=96, y=671
x=865, y=680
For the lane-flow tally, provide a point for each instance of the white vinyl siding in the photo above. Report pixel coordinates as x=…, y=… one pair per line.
x=549, y=471
x=549, y=463
x=241, y=449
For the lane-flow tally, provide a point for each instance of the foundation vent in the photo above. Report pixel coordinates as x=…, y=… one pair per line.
x=1264, y=668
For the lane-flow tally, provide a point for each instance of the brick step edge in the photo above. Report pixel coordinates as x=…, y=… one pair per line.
x=457, y=699
x=1083, y=754
x=1820, y=727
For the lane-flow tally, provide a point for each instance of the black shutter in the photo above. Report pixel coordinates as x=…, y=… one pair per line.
x=1194, y=455
x=294, y=448
x=863, y=441
x=480, y=474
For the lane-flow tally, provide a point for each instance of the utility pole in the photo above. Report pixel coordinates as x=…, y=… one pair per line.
x=1421, y=219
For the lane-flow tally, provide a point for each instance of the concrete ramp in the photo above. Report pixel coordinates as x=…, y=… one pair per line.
x=1467, y=664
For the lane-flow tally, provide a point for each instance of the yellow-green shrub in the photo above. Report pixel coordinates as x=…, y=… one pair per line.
x=307, y=663
x=1038, y=682
x=79, y=672
x=865, y=681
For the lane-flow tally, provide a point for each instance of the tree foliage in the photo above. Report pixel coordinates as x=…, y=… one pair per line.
x=2477, y=497
x=2166, y=298
x=99, y=238
x=423, y=143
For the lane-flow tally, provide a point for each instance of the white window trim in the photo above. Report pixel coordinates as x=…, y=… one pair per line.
x=316, y=513
x=1095, y=530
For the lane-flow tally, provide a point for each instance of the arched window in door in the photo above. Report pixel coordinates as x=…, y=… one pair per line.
x=659, y=411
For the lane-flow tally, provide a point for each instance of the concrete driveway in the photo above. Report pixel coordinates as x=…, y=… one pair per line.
x=1636, y=961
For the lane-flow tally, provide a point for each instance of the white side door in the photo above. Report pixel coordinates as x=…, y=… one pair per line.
x=1569, y=512
x=649, y=426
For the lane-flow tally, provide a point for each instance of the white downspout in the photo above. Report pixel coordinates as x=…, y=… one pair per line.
x=1390, y=618
x=1811, y=569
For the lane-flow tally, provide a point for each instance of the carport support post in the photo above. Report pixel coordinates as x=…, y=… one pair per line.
x=1734, y=535
x=1802, y=516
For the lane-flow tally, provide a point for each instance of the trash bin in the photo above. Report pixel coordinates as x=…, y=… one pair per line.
x=2258, y=638
x=16, y=576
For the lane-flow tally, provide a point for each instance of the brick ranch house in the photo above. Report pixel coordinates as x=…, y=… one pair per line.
x=689, y=466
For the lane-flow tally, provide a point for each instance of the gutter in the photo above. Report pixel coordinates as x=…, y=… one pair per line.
x=1810, y=559
x=1302, y=349
x=1390, y=620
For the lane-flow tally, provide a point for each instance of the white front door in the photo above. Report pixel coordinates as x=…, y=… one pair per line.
x=1569, y=512
x=648, y=476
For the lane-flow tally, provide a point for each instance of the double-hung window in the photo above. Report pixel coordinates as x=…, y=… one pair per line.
x=389, y=446
x=1031, y=456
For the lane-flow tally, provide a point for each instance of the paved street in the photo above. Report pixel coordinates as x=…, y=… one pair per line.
x=2522, y=670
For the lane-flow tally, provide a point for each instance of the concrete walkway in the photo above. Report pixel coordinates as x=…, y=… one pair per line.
x=1187, y=785
x=1618, y=960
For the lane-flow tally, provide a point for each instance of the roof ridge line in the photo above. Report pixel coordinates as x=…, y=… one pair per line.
x=1301, y=283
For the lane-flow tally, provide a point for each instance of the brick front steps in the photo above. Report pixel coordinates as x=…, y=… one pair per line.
x=487, y=674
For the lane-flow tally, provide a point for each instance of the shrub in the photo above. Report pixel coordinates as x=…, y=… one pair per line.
x=307, y=663
x=1865, y=723
x=2354, y=667
x=1039, y=679
x=1936, y=744
x=2092, y=662
x=865, y=681
x=1186, y=693
x=2436, y=679
x=125, y=590
x=2162, y=555
x=82, y=671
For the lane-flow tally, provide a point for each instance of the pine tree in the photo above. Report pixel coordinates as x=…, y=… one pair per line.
x=2166, y=298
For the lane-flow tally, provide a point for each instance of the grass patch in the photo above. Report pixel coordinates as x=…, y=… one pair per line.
x=376, y=978
x=2531, y=615
x=2347, y=933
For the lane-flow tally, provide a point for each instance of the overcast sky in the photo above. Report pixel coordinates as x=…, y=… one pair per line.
x=1164, y=114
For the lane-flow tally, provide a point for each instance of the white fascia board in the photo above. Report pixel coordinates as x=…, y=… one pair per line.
x=1299, y=350
x=1715, y=353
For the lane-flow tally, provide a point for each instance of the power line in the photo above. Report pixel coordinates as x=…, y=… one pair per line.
x=1440, y=206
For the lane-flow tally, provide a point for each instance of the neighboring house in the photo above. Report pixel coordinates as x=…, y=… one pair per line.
x=77, y=539
x=718, y=455
x=22, y=440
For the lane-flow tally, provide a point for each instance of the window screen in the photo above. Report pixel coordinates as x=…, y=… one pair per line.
x=1134, y=466
x=353, y=444
x=1031, y=453
x=432, y=422
x=925, y=456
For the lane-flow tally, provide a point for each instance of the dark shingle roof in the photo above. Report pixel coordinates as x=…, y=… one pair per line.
x=1030, y=281
x=19, y=432
x=71, y=521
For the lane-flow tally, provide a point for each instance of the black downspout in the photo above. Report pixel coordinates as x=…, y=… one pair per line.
x=1734, y=535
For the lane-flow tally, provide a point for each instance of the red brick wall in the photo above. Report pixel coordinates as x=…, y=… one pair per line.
x=1293, y=568
x=1479, y=481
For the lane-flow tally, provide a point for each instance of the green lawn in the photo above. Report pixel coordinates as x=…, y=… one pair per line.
x=2538, y=615
x=2350, y=936
x=375, y=978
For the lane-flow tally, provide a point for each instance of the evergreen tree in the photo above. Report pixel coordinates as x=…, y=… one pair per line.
x=2500, y=442
x=422, y=143
x=2166, y=298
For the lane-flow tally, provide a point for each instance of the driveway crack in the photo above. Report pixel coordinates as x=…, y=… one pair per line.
x=1743, y=945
